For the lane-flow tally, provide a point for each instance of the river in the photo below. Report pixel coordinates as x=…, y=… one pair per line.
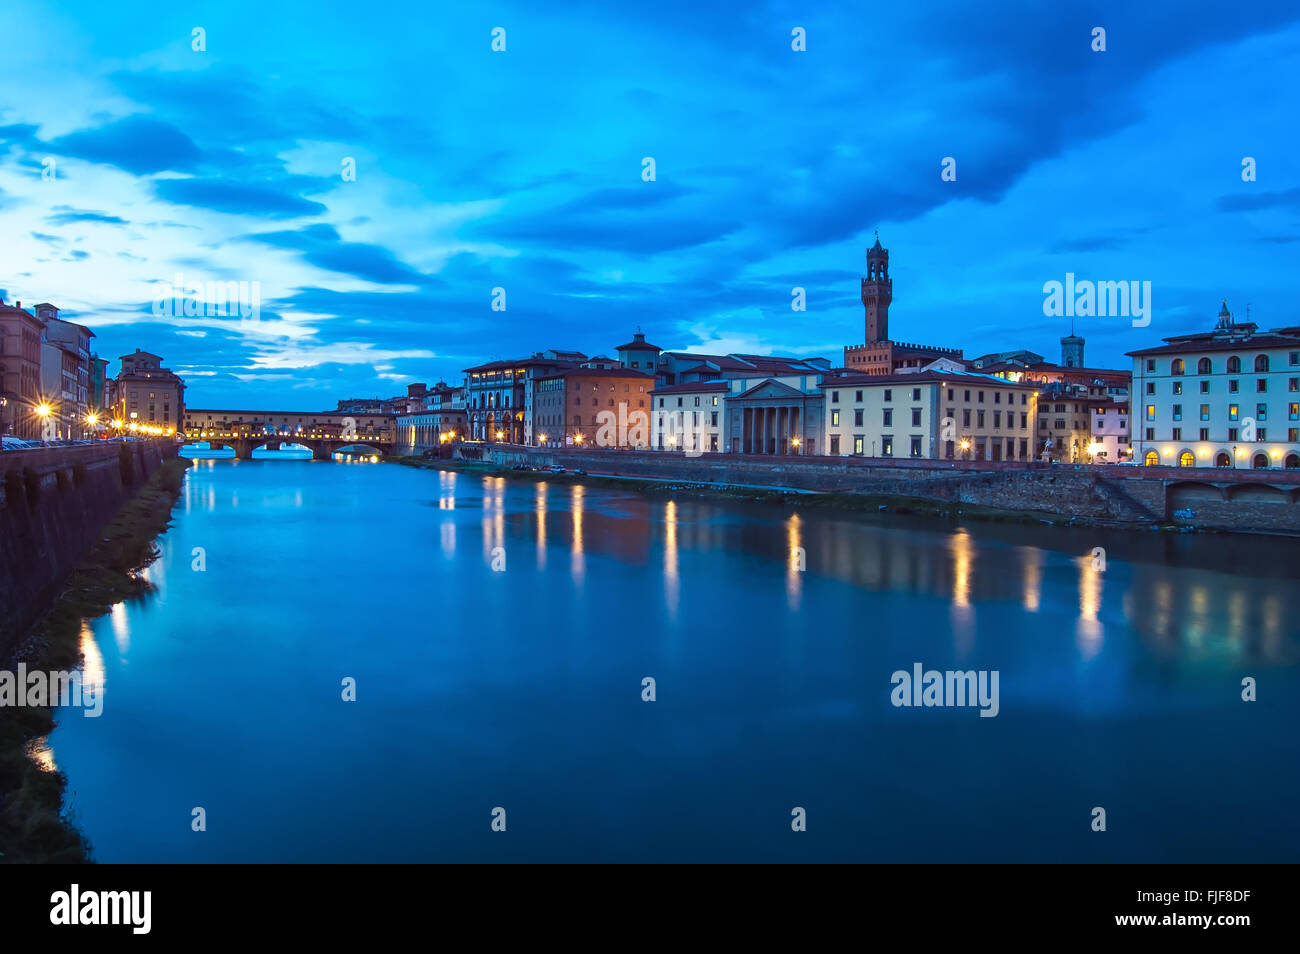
x=499, y=632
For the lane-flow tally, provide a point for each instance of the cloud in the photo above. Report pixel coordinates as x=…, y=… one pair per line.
x=273, y=199
x=138, y=144
x=66, y=215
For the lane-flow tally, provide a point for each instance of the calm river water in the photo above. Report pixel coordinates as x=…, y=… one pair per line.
x=499, y=633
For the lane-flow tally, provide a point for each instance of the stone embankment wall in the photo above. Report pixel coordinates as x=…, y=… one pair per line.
x=1252, y=501
x=54, y=501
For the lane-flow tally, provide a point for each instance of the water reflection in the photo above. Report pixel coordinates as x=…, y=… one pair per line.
x=672, y=584
x=797, y=562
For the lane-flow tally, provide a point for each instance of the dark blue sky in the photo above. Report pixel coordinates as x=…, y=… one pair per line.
x=522, y=170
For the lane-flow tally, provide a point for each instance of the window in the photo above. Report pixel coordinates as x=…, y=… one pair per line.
x=1151, y=458
x=1205, y=413
x=1234, y=365
x=889, y=394
x=979, y=418
x=981, y=397
x=857, y=445
x=713, y=418
x=1232, y=434
x=916, y=447
x=916, y=417
x=1261, y=412
x=1176, y=366
x=661, y=402
x=1151, y=412
x=965, y=417
x=1204, y=366
x=886, y=445
x=835, y=443
x=679, y=401
x=835, y=418
x=1185, y=459
x=1293, y=412
x=1024, y=399
x=835, y=397
x=1150, y=433
x=1293, y=384
x=950, y=394
x=967, y=397
x=1178, y=412
x=1024, y=422
x=1293, y=357
x=1178, y=387
x=857, y=396
x=697, y=401
x=1151, y=364
x=1178, y=434
x=916, y=394
x=1233, y=386
x=1234, y=412
x=1205, y=434
x=1151, y=387
x=857, y=418
x=888, y=415
x=1261, y=385
x=1261, y=363
x=1261, y=434
x=997, y=397
x=997, y=419
x=1058, y=424
x=1205, y=387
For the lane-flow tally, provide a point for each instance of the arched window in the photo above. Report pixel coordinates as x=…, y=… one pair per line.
x=1151, y=458
x=1176, y=366
x=1234, y=365
x=1292, y=462
x=1186, y=459
x=1222, y=460
x=1204, y=367
x=1261, y=362
x=1261, y=461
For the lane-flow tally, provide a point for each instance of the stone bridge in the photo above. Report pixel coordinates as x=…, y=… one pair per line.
x=324, y=433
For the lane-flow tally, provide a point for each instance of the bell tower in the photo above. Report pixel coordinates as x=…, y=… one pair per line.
x=877, y=293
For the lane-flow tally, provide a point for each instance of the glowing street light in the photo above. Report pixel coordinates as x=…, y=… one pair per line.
x=42, y=411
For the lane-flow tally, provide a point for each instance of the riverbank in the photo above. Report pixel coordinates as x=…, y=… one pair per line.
x=1182, y=500
x=852, y=502
x=33, y=824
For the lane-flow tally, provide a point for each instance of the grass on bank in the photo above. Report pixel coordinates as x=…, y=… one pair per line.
x=34, y=828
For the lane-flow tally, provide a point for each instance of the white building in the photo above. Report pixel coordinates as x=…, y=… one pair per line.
x=1110, y=433
x=1225, y=398
x=689, y=417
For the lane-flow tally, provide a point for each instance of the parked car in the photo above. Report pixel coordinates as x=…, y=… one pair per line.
x=579, y=472
x=555, y=469
x=521, y=467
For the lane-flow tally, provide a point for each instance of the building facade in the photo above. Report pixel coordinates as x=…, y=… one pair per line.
x=20, y=372
x=147, y=395
x=689, y=417
x=1229, y=397
x=929, y=414
x=597, y=404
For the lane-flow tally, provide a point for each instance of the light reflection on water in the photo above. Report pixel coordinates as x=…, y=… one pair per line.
x=521, y=685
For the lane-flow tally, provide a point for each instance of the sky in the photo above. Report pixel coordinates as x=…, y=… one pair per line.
x=128, y=157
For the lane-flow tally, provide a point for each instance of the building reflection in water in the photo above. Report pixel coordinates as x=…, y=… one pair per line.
x=494, y=516
x=962, y=613
x=446, y=490
x=1031, y=589
x=121, y=627
x=579, y=561
x=796, y=562
x=539, y=508
x=92, y=669
x=672, y=583
x=1088, y=628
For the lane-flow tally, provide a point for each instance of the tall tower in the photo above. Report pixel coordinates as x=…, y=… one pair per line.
x=877, y=293
x=1072, y=350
